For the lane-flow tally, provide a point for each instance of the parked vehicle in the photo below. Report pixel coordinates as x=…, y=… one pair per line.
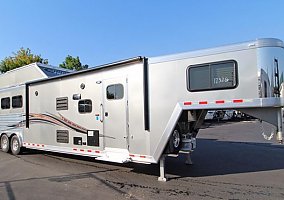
x=140, y=109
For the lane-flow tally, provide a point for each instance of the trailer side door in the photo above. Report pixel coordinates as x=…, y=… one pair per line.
x=115, y=113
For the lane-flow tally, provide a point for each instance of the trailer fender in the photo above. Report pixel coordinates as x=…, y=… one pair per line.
x=167, y=132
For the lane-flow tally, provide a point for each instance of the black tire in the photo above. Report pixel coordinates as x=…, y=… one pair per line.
x=175, y=142
x=5, y=143
x=15, y=145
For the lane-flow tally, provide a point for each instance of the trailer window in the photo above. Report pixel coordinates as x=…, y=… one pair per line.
x=17, y=101
x=115, y=91
x=5, y=103
x=212, y=76
x=85, y=106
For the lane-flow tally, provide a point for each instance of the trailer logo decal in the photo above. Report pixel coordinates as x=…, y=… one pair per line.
x=51, y=119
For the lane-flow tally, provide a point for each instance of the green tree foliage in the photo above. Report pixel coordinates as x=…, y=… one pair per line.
x=19, y=59
x=73, y=63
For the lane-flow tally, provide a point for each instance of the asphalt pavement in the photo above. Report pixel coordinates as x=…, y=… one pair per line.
x=232, y=161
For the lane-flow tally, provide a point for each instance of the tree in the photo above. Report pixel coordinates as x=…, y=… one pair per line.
x=19, y=59
x=73, y=63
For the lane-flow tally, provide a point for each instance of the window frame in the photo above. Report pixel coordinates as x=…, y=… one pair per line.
x=112, y=99
x=5, y=108
x=210, y=71
x=21, y=102
x=85, y=106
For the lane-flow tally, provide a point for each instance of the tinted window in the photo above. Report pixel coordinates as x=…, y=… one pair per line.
x=115, y=91
x=17, y=101
x=5, y=103
x=210, y=76
x=85, y=106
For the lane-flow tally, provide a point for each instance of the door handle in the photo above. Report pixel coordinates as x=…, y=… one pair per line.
x=102, y=112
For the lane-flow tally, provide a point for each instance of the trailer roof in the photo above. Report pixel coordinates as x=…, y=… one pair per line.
x=100, y=67
x=31, y=72
x=263, y=42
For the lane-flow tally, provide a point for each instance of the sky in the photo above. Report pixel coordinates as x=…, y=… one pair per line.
x=105, y=31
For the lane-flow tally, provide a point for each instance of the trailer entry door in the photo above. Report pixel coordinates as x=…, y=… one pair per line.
x=115, y=111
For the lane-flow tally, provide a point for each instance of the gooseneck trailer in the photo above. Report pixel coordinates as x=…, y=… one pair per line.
x=140, y=109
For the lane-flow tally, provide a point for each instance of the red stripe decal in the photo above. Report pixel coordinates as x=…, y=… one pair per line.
x=37, y=145
x=142, y=156
x=219, y=101
x=33, y=144
x=203, y=102
x=89, y=150
x=81, y=149
x=238, y=101
x=97, y=151
x=187, y=103
x=74, y=149
x=42, y=145
x=131, y=155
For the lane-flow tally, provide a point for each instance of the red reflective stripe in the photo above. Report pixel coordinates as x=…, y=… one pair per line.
x=203, y=102
x=75, y=149
x=97, y=151
x=81, y=149
x=142, y=156
x=187, y=103
x=131, y=155
x=89, y=150
x=42, y=145
x=238, y=101
x=220, y=101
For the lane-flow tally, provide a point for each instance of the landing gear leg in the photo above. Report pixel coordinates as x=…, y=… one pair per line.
x=162, y=177
x=188, y=160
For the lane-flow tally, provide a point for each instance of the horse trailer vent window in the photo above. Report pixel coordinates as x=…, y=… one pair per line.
x=62, y=136
x=85, y=106
x=5, y=103
x=17, y=101
x=115, y=91
x=62, y=103
x=212, y=76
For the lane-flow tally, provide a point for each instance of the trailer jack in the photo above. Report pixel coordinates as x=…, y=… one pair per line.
x=162, y=177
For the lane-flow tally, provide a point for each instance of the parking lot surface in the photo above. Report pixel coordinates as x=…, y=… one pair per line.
x=232, y=161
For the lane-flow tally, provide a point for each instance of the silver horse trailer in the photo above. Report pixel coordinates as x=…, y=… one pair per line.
x=141, y=109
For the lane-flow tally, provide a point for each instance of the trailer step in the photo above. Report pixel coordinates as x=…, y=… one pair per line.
x=115, y=155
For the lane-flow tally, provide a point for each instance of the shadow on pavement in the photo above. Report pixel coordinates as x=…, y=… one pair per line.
x=212, y=157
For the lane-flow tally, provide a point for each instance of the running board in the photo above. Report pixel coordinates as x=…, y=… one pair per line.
x=115, y=155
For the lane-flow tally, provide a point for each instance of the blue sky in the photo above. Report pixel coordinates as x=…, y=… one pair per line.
x=103, y=31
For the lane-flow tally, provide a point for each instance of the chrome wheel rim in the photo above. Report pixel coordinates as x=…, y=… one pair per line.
x=4, y=143
x=15, y=145
x=176, y=140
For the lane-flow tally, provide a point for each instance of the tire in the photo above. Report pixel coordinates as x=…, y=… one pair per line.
x=15, y=145
x=175, y=142
x=5, y=143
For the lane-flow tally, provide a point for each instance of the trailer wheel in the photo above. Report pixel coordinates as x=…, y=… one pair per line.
x=175, y=141
x=5, y=145
x=15, y=145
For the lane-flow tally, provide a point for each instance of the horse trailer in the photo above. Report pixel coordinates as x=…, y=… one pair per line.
x=140, y=109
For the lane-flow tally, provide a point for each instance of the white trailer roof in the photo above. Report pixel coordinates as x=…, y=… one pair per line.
x=264, y=42
x=31, y=72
